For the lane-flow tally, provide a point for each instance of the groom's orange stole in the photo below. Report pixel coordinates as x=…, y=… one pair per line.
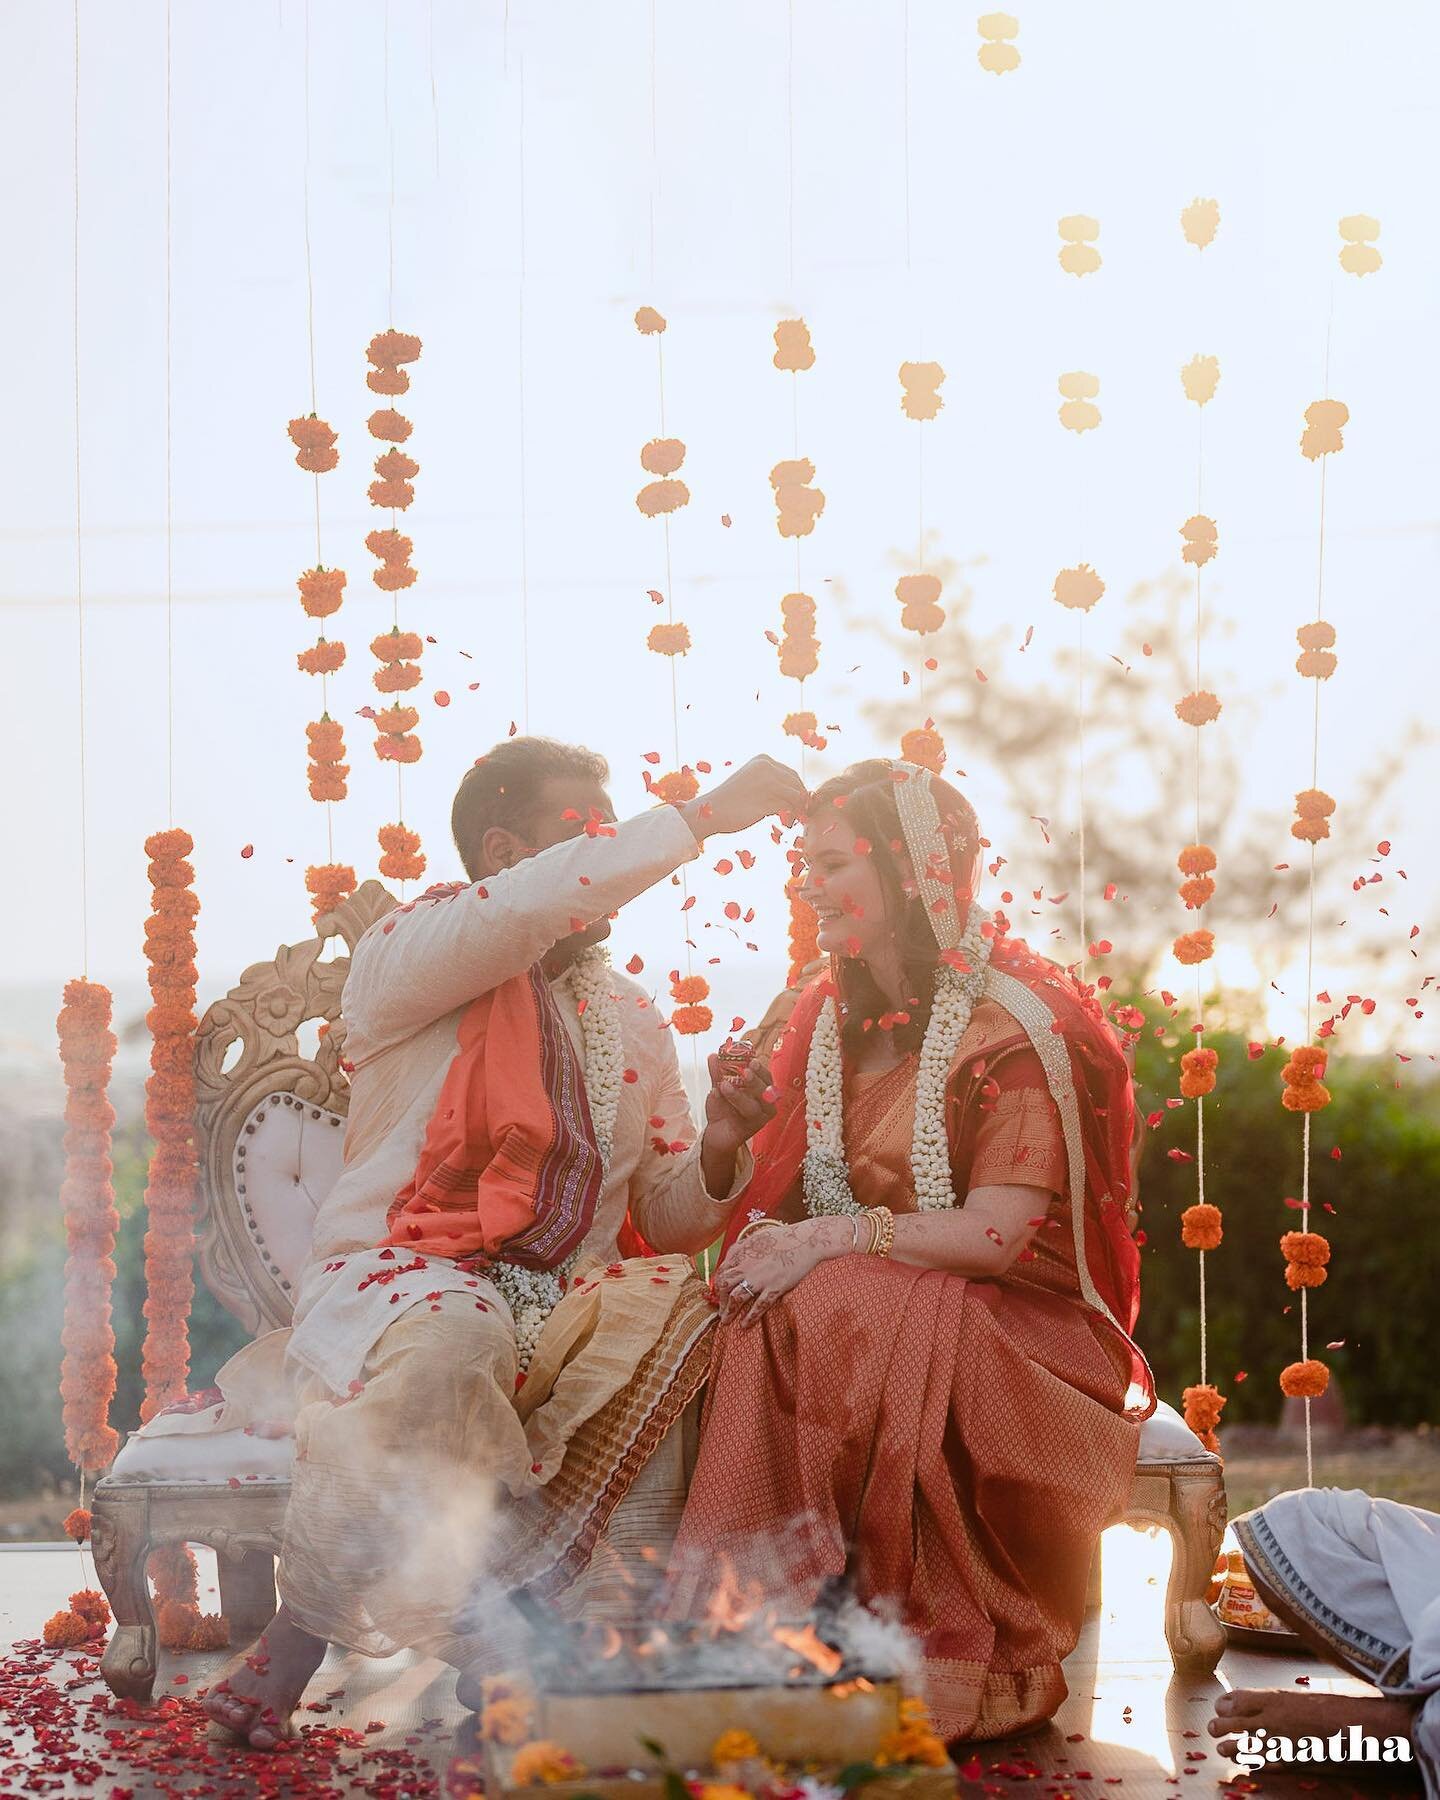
x=510, y=1165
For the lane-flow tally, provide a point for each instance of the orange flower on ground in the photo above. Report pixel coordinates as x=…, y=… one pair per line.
x=323, y=658
x=1201, y=1227
x=1196, y=859
x=668, y=640
x=328, y=884
x=321, y=591
x=734, y=1746
x=91, y=1605
x=543, y=1761
x=1198, y=709
x=1078, y=588
x=690, y=1021
x=1194, y=946
x=401, y=858
x=1197, y=1073
x=677, y=787
x=87, y=1372
x=924, y=747
x=1304, y=1380
x=1203, y=1405
x=64, y=1629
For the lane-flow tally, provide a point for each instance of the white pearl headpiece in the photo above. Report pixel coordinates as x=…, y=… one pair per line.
x=929, y=853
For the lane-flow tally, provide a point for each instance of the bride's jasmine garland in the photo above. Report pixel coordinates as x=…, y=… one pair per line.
x=533, y=1294
x=959, y=983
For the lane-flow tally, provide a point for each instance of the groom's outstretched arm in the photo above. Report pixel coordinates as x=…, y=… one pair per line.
x=424, y=960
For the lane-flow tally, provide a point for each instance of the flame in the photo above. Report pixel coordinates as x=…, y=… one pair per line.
x=611, y=1643
x=730, y=1609
x=804, y=1642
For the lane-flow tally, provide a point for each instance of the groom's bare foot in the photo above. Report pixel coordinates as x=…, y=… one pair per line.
x=1284, y=1712
x=257, y=1696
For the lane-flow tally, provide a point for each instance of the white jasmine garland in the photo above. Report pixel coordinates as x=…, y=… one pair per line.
x=533, y=1294
x=826, y=1176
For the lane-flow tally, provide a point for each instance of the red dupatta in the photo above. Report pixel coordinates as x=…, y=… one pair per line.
x=1095, y=1102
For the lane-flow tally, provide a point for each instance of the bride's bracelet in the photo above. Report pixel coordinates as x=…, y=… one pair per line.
x=882, y=1230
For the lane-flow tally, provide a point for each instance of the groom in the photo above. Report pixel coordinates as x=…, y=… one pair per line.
x=507, y=1089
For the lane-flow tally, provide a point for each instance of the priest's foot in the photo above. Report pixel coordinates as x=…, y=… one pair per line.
x=1286, y=1712
x=256, y=1696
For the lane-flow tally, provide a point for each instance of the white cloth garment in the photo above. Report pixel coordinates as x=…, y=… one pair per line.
x=1365, y=1573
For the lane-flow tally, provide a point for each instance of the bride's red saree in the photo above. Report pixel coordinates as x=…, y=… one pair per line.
x=953, y=1446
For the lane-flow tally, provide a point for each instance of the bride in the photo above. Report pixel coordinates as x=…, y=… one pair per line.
x=920, y=1378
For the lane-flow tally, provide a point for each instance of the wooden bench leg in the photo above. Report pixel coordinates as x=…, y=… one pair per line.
x=120, y=1540
x=247, y=1593
x=1196, y=1524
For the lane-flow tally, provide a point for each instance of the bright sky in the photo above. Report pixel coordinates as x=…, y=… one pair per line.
x=539, y=199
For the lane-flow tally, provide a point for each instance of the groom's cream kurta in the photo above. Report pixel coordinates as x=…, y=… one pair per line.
x=420, y=1461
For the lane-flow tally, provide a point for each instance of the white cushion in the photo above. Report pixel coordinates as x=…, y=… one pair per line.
x=213, y=1458
x=287, y=1157
x=1165, y=1437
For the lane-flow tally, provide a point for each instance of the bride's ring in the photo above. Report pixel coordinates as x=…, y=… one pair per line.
x=744, y=1287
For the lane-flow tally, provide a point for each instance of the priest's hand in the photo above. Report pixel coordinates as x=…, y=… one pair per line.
x=757, y=789
x=736, y=1107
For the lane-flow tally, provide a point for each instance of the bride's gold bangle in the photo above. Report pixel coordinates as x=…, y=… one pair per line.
x=757, y=1225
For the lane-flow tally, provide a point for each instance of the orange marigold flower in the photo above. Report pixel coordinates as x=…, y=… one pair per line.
x=396, y=678
x=391, y=576
x=800, y=725
x=505, y=1722
x=1304, y=1380
x=1317, y=664
x=924, y=747
x=1310, y=1058
x=543, y=1762
x=1197, y=891
x=395, y=495
x=677, y=787
x=690, y=1021
x=327, y=781
x=77, y=1524
x=389, y=425
x=1304, y=1091
x=395, y=465
x=387, y=381
x=796, y=608
x=922, y=619
x=310, y=433
x=323, y=658
x=1200, y=1227
x=327, y=740
x=1196, y=859
x=648, y=322
x=668, y=640
x=400, y=747
x=1314, y=803
x=1304, y=1275
x=388, y=349
x=803, y=928
x=321, y=591
x=397, y=646
x=401, y=858
x=317, y=462
x=63, y=1629
x=399, y=838
x=734, y=1746
x=662, y=456
x=1198, y=709
x=328, y=884
x=1202, y=1405
x=1311, y=1249
x=1197, y=1073
x=918, y=590
x=1310, y=831
x=1318, y=635
x=397, y=718
x=390, y=545
x=1194, y=946
x=658, y=497
x=799, y=657
x=687, y=988
x=1079, y=587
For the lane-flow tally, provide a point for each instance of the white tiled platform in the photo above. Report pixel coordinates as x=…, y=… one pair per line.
x=1131, y=1715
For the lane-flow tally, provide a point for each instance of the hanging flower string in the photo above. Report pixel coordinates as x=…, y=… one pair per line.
x=799, y=646
x=919, y=593
x=397, y=652
x=1078, y=590
x=1201, y=1224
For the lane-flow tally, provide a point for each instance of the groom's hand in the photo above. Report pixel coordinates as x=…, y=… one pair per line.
x=736, y=1107
x=756, y=790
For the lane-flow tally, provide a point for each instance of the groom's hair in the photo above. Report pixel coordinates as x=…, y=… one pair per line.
x=503, y=788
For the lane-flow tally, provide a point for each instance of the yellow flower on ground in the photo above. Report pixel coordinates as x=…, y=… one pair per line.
x=732, y=1747
x=543, y=1761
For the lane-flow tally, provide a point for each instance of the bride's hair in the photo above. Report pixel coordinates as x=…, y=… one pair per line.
x=864, y=795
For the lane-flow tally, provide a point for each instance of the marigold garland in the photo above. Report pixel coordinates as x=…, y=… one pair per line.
x=799, y=646
x=798, y=502
x=321, y=591
x=1306, y=1253
x=677, y=787
x=1203, y=1405
x=1304, y=1091
x=1194, y=947
x=648, y=322
x=1197, y=1073
x=314, y=443
x=328, y=884
x=87, y=1373
x=805, y=726
x=924, y=746
x=1201, y=1226
x=1196, y=859
x=77, y=1524
x=1306, y=1380
x=690, y=1021
x=1198, y=709
x=668, y=640
x=400, y=858
x=326, y=769
x=919, y=597
x=920, y=385
x=1078, y=588
x=804, y=928
x=1322, y=436
x=1313, y=808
